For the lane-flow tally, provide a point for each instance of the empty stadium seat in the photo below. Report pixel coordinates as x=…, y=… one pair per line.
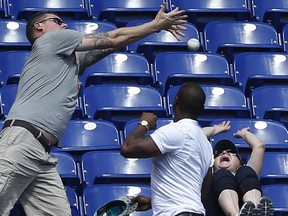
x=101, y=167
x=13, y=35
x=270, y=102
x=240, y=37
x=90, y=26
x=278, y=193
x=275, y=168
x=9, y=70
x=66, y=167
x=285, y=38
x=273, y=133
x=162, y=41
x=119, y=67
x=132, y=124
x=201, y=12
x=272, y=12
x=87, y=135
x=120, y=103
x=175, y=68
x=7, y=98
x=95, y=196
x=221, y=103
x=23, y=10
x=252, y=70
x=120, y=12
x=73, y=200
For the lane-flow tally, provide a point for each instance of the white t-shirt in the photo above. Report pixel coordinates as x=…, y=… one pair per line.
x=178, y=173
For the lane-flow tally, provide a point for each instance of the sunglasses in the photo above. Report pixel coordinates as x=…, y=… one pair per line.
x=55, y=19
x=228, y=151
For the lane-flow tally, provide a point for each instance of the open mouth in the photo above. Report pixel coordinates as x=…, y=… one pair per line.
x=225, y=159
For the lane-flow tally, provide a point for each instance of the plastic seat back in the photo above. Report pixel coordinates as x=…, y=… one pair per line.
x=201, y=12
x=7, y=98
x=104, y=167
x=90, y=26
x=119, y=67
x=252, y=70
x=285, y=37
x=67, y=9
x=9, y=71
x=272, y=12
x=120, y=103
x=270, y=102
x=120, y=12
x=87, y=135
x=13, y=35
x=240, y=37
x=203, y=68
x=96, y=196
x=73, y=200
x=221, y=103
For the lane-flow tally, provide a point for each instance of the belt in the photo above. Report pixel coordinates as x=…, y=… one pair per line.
x=188, y=214
x=34, y=131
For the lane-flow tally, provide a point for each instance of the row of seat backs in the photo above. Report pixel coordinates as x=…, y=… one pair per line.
x=121, y=103
x=200, y=11
x=239, y=37
x=248, y=71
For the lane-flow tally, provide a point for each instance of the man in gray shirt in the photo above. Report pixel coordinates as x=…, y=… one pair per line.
x=46, y=100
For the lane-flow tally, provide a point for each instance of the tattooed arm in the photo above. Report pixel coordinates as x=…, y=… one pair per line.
x=121, y=37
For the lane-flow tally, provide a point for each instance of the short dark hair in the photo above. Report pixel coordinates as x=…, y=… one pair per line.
x=191, y=99
x=35, y=18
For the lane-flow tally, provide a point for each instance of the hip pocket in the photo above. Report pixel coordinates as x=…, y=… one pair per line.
x=6, y=170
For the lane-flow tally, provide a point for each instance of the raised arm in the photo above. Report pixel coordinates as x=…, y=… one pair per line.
x=257, y=146
x=139, y=145
x=216, y=129
x=121, y=37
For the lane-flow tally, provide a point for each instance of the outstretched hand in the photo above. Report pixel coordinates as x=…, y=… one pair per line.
x=222, y=128
x=241, y=133
x=172, y=21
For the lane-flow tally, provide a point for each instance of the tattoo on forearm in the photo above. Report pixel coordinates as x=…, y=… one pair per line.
x=101, y=40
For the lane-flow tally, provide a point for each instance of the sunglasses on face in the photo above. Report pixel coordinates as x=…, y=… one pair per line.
x=54, y=19
x=228, y=151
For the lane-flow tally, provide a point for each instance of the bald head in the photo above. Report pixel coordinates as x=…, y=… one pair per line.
x=189, y=100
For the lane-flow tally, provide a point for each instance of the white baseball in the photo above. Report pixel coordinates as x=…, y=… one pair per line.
x=193, y=44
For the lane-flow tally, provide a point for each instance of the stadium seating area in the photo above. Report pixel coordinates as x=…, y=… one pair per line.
x=242, y=65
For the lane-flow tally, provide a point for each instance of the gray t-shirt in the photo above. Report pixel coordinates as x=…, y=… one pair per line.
x=49, y=84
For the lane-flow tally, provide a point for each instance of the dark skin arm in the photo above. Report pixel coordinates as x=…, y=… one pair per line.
x=139, y=145
x=144, y=203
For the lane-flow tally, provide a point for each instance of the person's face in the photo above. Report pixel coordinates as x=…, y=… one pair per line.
x=50, y=23
x=226, y=160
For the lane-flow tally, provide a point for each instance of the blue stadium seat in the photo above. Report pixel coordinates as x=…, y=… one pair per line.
x=73, y=200
x=9, y=70
x=204, y=68
x=278, y=194
x=95, y=196
x=120, y=103
x=23, y=10
x=221, y=103
x=162, y=41
x=13, y=35
x=132, y=124
x=273, y=133
x=270, y=102
x=119, y=67
x=102, y=167
x=252, y=70
x=120, y=12
x=87, y=135
x=7, y=97
x=2, y=9
x=272, y=12
x=67, y=168
x=275, y=168
x=201, y=12
x=240, y=37
x=285, y=38
x=90, y=26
